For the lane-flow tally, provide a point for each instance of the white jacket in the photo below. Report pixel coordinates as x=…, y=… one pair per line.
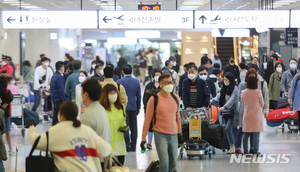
x=39, y=73
x=74, y=149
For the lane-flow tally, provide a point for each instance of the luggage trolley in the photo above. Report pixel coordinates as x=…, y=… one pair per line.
x=24, y=89
x=195, y=145
x=17, y=110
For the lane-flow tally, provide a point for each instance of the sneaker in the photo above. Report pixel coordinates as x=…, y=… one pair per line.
x=149, y=146
x=238, y=151
x=251, y=151
x=12, y=152
x=231, y=151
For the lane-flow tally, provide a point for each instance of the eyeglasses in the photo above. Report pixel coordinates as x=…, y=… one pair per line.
x=202, y=74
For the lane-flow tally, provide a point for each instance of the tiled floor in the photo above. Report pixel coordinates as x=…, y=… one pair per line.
x=273, y=141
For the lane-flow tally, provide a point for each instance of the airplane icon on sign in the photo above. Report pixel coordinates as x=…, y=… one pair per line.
x=120, y=18
x=216, y=19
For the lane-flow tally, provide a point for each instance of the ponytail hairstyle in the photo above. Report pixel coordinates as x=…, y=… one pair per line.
x=70, y=111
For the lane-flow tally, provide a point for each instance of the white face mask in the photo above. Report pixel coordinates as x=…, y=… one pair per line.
x=169, y=88
x=81, y=79
x=191, y=76
x=279, y=69
x=3, y=63
x=113, y=98
x=293, y=66
x=156, y=78
x=102, y=72
x=93, y=66
x=156, y=53
x=204, y=77
x=174, y=63
x=12, y=82
x=47, y=64
x=227, y=83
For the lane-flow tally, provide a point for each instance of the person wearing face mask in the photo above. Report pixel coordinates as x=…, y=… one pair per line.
x=6, y=69
x=95, y=115
x=156, y=60
x=110, y=100
x=82, y=77
x=274, y=84
x=72, y=81
x=57, y=86
x=195, y=91
x=288, y=76
x=12, y=86
x=73, y=146
x=98, y=72
x=228, y=100
x=92, y=70
x=215, y=77
x=174, y=63
x=169, y=70
x=183, y=77
x=42, y=76
x=156, y=73
x=234, y=69
x=133, y=91
x=167, y=126
x=204, y=75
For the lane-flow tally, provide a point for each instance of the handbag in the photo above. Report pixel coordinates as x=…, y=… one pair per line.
x=39, y=163
x=282, y=102
x=117, y=168
x=228, y=113
x=42, y=80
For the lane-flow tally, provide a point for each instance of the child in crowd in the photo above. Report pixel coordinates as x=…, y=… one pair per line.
x=12, y=86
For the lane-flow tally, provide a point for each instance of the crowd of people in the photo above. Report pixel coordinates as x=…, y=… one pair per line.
x=95, y=111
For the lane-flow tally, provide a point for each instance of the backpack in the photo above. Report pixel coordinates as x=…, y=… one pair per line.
x=149, y=93
x=153, y=121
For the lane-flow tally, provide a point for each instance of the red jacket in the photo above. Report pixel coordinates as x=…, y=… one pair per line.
x=8, y=68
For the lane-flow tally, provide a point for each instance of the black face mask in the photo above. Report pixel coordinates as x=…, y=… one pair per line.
x=231, y=61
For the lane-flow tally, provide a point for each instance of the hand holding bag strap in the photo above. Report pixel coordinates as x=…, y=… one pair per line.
x=34, y=145
x=113, y=157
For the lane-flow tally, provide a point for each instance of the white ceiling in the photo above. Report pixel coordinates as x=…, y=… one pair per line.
x=133, y=4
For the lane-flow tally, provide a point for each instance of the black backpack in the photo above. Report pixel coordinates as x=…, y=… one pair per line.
x=153, y=121
x=153, y=167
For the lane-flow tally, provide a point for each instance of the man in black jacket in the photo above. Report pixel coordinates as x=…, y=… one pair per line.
x=234, y=69
x=203, y=75
x=184, y=76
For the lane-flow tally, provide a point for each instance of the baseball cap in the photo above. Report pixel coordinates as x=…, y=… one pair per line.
x=6, y=57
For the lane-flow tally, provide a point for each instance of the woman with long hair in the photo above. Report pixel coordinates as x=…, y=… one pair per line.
x=274, y=85
x=111, y=101
x=228, y=100
x=253, y=102
x=75, y=147
x=92, y=70
x=28, y=74
x=118, y=71
x=269, y=71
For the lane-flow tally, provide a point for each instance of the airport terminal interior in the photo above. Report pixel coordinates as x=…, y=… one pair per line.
x=218, y=40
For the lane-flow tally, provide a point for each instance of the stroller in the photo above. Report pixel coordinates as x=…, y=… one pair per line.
x=283, y=116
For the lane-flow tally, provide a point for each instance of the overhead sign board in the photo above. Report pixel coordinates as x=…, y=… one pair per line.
x=149, y=7
x=145, y=19
x=49, y=19
x=242, y=19
x=295, y=19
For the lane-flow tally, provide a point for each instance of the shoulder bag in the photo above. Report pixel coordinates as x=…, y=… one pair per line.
x=228, y=113
x=39, y=163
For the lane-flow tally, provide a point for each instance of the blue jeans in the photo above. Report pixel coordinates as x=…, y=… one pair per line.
x=239, y=137
x=150, y=137
x=255, y=143
x=229, y=131
x=166, y=146
x=131, y=121
x=37, y=100
x=2, y=169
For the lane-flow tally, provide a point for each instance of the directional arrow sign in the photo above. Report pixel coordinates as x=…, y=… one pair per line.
x=9, y=19
x=49, y=19
x=105, y=19
x=242, y=19
x=202, y=18
x=146, y=19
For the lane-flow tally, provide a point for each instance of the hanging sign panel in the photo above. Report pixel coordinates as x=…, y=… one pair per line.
x=295, y=19
x=145, y=19
x=49, y=19
x=242, y=19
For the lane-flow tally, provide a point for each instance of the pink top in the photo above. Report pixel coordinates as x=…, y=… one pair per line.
x=167, y=116
x=253, y=102
x=8, y=68
x=13, y=89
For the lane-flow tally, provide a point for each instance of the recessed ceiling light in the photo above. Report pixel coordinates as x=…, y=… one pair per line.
x=103, y=31
x=188, y=49
x=188, y=37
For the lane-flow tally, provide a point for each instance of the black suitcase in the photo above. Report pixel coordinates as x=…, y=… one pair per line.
x=47, y=106
x=153, y=167
x=282, y=102
x=292, y=123
x=215, y=135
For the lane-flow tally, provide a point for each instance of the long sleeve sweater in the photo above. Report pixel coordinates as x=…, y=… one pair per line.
x=74, y=149
x=167, y=116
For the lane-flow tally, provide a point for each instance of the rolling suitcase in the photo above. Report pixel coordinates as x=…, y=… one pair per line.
x=47, y=104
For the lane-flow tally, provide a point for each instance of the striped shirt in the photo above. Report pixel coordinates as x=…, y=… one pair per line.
x=193, y=92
